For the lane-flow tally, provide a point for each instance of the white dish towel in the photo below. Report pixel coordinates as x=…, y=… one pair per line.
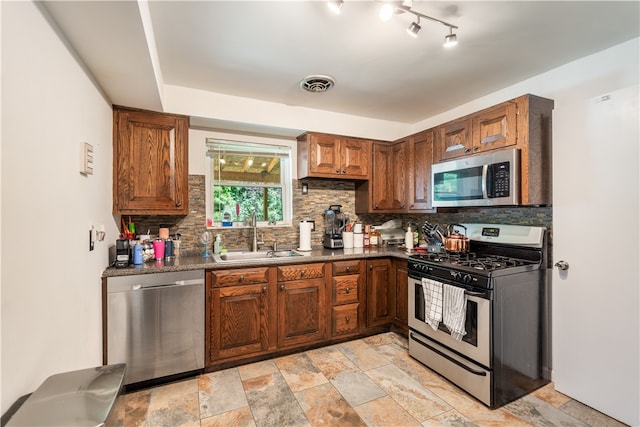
x=454, y=310
x=432, y=291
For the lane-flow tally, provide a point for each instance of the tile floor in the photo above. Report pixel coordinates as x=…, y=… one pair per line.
x=370, y=381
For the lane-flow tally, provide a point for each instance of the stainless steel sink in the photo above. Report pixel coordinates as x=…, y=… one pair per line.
x=248, y=255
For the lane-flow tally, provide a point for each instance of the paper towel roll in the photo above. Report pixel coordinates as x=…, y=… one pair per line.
x=305, y=235
x=358, y=240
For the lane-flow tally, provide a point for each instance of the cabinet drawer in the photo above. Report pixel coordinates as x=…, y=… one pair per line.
x=244, y=276
x=345, y=289
x=344, y=319
x=298, y=272
x=346, y=267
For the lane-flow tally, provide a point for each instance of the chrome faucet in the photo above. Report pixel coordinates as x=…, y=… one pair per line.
x=253, y=223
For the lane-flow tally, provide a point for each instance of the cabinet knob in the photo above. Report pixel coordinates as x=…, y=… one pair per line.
x=376, y=206
x=338, y=170
x=178, y=203
x=241, y=279
x=348, y=268
x=347, y=319
x=370, y=267
x=475, y=148
x=282, y=287
x=466, y=150
x=411, y=206
x=264, y=289
x=301, y=273
x=344, y=171
x=401, y=206
x=347, y=290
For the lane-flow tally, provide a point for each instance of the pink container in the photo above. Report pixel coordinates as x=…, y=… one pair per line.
x=158, y=249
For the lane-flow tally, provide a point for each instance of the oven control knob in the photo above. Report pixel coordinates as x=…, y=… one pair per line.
x=466, y=278
x=456, y=275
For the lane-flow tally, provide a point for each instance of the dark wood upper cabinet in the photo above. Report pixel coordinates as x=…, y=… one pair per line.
x=333, y=156
x=150, y=163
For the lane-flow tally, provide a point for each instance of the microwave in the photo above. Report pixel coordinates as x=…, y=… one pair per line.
x=491, y=179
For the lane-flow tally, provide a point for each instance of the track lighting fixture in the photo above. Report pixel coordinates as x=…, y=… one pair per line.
x=414, y=28
x=335, y=6
x=389, y=8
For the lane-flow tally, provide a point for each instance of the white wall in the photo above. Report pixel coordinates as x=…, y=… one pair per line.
x=51, y=288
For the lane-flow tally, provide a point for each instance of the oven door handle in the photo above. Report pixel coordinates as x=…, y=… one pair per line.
x=475, y=294
x=449, y=358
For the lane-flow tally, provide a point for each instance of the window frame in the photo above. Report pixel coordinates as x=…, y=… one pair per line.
x=286, y=179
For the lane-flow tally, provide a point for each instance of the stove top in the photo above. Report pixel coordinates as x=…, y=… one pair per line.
x=472, y=260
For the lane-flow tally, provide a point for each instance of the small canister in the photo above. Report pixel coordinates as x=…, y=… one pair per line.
x=168, y=248
x=137, y=254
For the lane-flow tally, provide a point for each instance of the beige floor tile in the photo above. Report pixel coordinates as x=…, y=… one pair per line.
x=170, y=391
x=237, y=418
x=272, y=402
x=324, y=406
x=549, y=394
x=363, y=355
x=257, y=369
x=220, y=392
x=450, y=418
x=357, y=388
x=181, y=411
x=386, y=338
x=588, y=415
x=299, y=372
x=416, y=399
x=385, y=412
x=331, y=362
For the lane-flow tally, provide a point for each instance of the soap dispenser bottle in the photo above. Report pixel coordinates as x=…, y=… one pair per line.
x=217, y=245
x=408, y=239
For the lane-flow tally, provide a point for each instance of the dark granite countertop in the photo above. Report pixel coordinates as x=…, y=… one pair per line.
x=185, y=263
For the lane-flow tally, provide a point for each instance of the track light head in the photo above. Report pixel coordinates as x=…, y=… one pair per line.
x=450, y=40
x=335, y=6
x=414, y=28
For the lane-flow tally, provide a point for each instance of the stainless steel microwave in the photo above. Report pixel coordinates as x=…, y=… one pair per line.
x=491, y=179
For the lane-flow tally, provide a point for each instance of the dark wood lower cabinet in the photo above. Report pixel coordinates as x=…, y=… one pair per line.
x=301, y=312
x=256, y=312
x=379, y=287
x=401, y=279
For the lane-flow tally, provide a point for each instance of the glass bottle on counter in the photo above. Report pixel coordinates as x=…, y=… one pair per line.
x=375, y=238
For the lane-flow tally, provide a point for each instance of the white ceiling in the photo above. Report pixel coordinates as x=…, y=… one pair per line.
x=262, y=49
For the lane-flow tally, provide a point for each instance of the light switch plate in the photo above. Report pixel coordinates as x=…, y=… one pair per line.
x=86, y=158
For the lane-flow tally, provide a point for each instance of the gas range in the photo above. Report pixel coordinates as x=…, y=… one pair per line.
x=501, y=355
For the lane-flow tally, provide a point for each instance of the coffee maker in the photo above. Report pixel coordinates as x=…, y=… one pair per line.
x=122, y=253
x=334, y=224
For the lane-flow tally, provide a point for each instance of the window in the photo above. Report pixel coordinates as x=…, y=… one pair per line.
x=243, y=178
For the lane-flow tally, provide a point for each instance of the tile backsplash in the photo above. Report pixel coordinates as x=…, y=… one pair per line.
x=311, y=206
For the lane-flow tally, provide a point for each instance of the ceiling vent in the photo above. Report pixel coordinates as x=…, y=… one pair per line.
x=316, y=84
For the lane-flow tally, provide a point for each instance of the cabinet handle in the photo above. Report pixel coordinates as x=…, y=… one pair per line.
x=178, y=203
x=347, y=319
x=347, y=290
x=282, y=287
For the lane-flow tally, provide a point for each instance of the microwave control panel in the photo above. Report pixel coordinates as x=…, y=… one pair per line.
x=501, y=177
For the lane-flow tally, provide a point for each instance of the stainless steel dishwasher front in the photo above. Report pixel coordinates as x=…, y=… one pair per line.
x=155, y=323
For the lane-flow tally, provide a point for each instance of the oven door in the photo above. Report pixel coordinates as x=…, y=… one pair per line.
x=476, y=344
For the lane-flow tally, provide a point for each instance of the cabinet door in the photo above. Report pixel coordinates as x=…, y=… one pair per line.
x=355, y=158
x=150, y=158
x=454, y=139
x=401, y=312
x=420, y=161
x=379, y=286
x=238, y=321
x=382, y=191
x=301, y=312
x=495, y=127
x=398, y=176
x=324, y=154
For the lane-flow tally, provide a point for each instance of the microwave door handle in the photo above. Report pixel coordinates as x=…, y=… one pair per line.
x=485, y=173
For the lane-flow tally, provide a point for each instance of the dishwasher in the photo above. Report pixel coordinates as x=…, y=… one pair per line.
x=155, y=324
